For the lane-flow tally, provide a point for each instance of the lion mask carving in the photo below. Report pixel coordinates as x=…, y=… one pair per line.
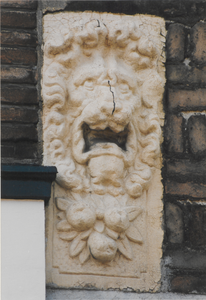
x=101, y=90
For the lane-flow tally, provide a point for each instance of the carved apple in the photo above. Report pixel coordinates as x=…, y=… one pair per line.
x=102, y=247
x=116, y=219
x=81, y=216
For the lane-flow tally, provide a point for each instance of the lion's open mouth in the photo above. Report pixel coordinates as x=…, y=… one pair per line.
x=93, y=137
x=90, y=142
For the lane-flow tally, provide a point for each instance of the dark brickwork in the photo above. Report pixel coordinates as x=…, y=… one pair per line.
x=198, y=43
x=174, y=134
x=184, y=100
x=197, y=135
x=19, y=95
x=176, y=42
x=184, y=172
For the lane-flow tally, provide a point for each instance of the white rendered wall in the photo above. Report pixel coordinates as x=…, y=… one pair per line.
x=23, y=250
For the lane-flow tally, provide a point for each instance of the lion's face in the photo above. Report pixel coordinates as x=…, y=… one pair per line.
x=98, y=94
x=108, y=95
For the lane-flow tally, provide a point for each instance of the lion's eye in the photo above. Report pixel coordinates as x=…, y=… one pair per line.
x=89, y=84
x=124, y=88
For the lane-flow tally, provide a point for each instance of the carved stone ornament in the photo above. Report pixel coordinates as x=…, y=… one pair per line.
x=103, y=79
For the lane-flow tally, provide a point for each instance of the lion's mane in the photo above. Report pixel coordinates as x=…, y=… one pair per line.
x=142, y=54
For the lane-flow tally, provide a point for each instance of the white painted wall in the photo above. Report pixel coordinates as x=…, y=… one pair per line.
x=23, y=250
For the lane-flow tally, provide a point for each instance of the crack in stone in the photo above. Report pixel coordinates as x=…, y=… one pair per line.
x=112, y=96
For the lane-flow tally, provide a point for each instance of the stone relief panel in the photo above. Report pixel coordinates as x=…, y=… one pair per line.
x=103, y=80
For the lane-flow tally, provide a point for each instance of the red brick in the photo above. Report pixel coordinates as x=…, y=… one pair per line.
x=19, y=114
x=174, y=223
x=18, y=56
x=188, y=284
x=18, y=19
x=17, y=38
x=18, y=132
x=18, y=94
x=182, y=74
x=25, y=4
x=176, y=42
x=187, y=169
x=187, y=100
x=198, y=43
x=189, y=189
x=197, y=134
x=173, y=134
x=18, y=75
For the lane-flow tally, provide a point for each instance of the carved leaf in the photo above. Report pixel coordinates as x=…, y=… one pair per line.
x=63, y=226
x=134, y=235
x=61, y=215
x=62, y=204
x=99, y=226
x=76, y=246
x=84, y=255
x=68, y=236
x=84, y=235
x=125, y=248
x=113, y=234
x=133, y=212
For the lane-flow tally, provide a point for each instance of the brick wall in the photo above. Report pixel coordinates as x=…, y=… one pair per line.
x=184, y=148
x=185, y=157
x=19, y=78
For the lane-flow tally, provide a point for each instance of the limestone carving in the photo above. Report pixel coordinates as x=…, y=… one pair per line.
x=103, y=82
x=97, y=230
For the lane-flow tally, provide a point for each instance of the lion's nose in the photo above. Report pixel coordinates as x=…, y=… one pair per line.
x=110, y=102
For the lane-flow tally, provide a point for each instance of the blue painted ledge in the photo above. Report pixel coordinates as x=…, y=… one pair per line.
x=27, y=182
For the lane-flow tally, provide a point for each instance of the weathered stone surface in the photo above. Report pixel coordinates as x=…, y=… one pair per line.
x=176, y=42
x=174, y=134
x=17, y=132
x=18, y=75
x=183, y=100
x=18, y=19
x=18, y=94
x=197, y=134
x=18, y=56
x=19, y=114
x=18, y=38
x=103, y=79
x=174, y=223
x=198, y=42
x=189, y=189
x=182, y=74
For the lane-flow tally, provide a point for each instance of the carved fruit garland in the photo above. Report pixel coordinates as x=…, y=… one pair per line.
x=97, y=232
